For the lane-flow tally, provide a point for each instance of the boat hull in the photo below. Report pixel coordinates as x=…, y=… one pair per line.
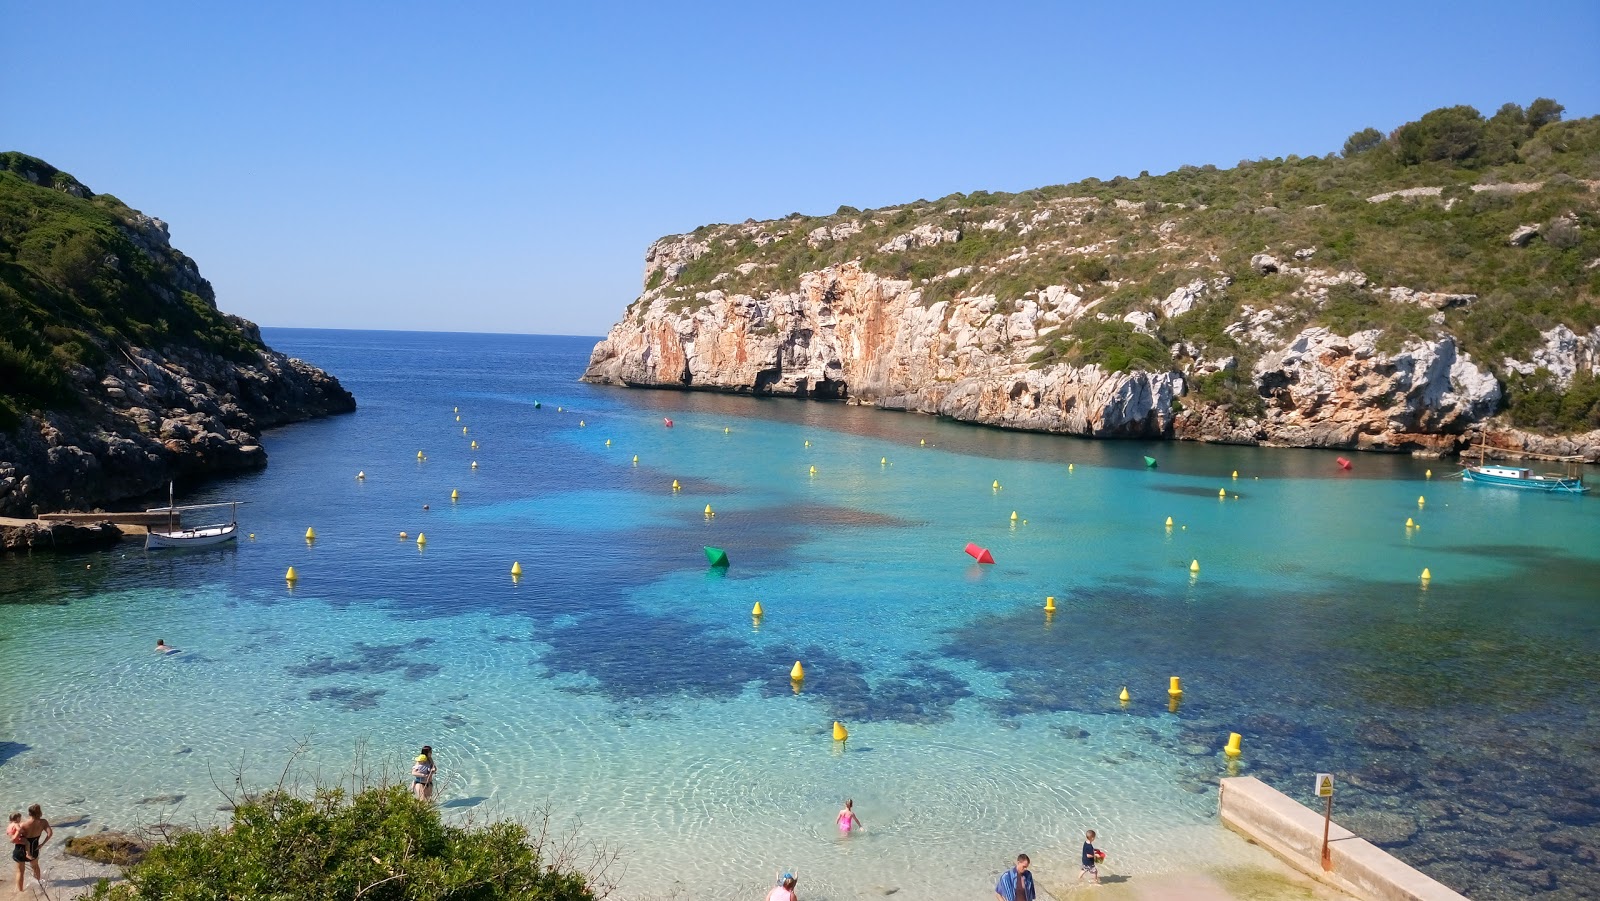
x=190, y=537
x=1531, y=483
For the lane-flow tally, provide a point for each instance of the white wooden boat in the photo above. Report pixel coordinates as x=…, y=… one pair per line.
x=175, y=535
x=191, y=537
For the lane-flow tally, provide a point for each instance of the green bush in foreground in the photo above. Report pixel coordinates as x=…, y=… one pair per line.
x=380, y=845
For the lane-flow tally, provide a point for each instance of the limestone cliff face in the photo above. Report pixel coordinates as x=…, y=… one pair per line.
x=118, y=371
x=849, y=334
x=154, y=416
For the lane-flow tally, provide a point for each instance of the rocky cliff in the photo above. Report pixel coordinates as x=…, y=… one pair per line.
x=121, y=373
x=1326, y=315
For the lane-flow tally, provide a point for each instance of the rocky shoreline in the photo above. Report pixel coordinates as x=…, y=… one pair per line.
x=150, y=417
x=847, y=334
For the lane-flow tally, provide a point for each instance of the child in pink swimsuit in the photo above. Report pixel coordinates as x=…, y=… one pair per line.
x=847, y=817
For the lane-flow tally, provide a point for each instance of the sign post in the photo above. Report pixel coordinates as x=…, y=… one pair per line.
x=1325, y=790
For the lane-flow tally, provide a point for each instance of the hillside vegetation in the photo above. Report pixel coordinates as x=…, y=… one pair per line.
x=1466, y=184
x=83, y=276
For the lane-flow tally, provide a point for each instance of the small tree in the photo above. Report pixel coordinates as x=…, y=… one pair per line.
x=1451, y=133
x=1542, y=112
x=1362, y=141
x=380, y=845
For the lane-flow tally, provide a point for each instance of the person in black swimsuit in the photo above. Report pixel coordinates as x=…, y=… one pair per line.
x=36, y=832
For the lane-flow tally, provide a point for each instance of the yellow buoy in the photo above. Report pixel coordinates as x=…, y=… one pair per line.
x=883, y=461
x=311, y=534
x=455, y=409
x=1194, y=566
x=797, y=672
x=923, y=442
x=361, y=476
x=291, y=575
x=1410, y=523
x=635, y=459
x=474, y=464
x=1428, y=474
x=516, y=568
x=419, y=455
x=421, y=539
x=404, y=535
x=1222, y=492
x=1236, y=473
x=808, y=444
x=709, y=511
x=996, y=485
x=839, y=731
x=1232, y=749
x=813, y=470
x=463, y=430
x=1426, y=575
x=1421, y=501
x=1069, y=467
x=1013, y=516
x=474, y=445
x=675, y=485
x=756, y=610
x=1169, y=522
x=581, y=423
x=1050, y=604
x=455, y=495
x=608, y=442
x=1124, y=697
x=1174, y=688
x=252, y=536
x=724, y=430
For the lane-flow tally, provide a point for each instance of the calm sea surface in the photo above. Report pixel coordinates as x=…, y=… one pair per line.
x=625, y=685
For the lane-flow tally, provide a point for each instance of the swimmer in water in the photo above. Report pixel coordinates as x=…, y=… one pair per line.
x=163, y=648
x=847, y=817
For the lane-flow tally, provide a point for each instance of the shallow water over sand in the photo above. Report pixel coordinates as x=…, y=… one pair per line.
x=626, y=685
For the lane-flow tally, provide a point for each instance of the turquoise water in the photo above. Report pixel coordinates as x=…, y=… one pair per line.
x=625, y=686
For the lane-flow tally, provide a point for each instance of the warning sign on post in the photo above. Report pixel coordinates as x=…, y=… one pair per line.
x=1324, y=785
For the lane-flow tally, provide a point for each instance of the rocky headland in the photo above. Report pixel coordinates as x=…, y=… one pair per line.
x=122, y=374
x=1284, y=302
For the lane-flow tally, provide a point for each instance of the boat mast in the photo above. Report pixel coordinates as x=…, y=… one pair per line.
x=170, y=511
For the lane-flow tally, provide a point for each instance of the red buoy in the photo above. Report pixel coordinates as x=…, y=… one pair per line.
x=1343, y=463
x=980, y=554
x=668, y=422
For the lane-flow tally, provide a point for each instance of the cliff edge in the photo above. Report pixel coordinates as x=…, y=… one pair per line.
x=1406, y=295
x=117, y=370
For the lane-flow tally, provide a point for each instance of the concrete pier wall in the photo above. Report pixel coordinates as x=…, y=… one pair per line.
x=1293, y=832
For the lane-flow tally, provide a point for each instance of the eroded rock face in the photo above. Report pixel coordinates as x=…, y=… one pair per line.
x=850, y=334
x=1327, y=390
x=151, y=417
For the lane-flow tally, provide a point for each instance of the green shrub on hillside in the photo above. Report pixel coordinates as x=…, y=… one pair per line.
x=382, y=844
x=75, y=286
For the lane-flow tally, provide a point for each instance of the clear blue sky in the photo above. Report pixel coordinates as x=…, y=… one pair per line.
x=502, y=167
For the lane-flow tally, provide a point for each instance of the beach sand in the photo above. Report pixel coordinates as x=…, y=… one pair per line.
x=65, y=876
x=68, y=877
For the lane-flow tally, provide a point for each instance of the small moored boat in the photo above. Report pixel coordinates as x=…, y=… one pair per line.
x=175, y=535
x=1524, y=478
x=191, y=537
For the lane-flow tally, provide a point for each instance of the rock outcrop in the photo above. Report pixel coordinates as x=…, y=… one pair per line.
x=153, y=417
x=1320, y=301
x=851, y=335
x=126, y=375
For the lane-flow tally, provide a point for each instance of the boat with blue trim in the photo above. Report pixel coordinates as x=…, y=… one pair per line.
x=1524, y=478
x=1521, y=477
